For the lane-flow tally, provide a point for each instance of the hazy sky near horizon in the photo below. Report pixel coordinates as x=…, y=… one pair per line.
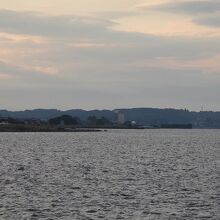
x=109, y=54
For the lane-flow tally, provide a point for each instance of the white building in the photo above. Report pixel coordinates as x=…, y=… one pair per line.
x=120, y=117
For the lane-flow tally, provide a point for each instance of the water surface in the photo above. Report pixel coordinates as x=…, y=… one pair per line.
x=119, y=174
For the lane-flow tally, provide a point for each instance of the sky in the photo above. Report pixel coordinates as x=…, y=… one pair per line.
x=99, y=54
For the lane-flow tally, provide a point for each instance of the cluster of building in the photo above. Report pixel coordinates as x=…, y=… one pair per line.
x=29, y=121
x=121, y=120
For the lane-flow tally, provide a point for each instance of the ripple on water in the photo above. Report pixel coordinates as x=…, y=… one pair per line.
x=142, y=174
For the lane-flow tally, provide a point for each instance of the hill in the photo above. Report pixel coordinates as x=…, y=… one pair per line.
x=143, y=116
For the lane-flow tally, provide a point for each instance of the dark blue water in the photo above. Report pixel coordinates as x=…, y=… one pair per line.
x=120, y=174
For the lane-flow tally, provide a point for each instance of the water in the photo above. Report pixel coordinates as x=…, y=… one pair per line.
x=121, y=174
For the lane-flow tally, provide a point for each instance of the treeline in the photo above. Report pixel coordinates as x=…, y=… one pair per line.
x=142, y=116
x=76, y=121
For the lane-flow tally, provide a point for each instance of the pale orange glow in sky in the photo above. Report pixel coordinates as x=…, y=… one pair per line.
x=144, y=21
x=164, y=24
x=150, y=22
x=69, y=6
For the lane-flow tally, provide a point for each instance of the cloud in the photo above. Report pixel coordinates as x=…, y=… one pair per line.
x=28, y=71
x=68, y=41
x=38, y=24
x=57, y=53
x=211, y=20
x=203, y=12
x=67, y=28
x=189, y=7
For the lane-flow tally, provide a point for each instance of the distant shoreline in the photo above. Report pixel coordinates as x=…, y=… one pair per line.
x=68, y=129
x=43, y=128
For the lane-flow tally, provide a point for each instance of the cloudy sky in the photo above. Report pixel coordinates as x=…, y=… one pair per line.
x=109, y=54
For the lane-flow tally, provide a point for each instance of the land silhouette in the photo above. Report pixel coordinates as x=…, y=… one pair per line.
x=141, y=116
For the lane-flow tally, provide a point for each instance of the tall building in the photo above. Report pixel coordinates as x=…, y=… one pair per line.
x=120, y=117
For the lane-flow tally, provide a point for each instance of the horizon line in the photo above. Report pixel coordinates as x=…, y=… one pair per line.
x=110, y=109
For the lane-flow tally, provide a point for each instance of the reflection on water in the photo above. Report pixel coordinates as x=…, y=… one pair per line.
x=142, y=174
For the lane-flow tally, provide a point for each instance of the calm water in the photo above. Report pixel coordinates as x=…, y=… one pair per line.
x=142, y=174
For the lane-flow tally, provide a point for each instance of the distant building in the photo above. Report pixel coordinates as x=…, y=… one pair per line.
x=120, y=117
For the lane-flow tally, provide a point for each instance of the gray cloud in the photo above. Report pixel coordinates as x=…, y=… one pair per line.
x=63, y=30
x=190, y=7
x=127, y=47
x=211, y=21
x=39, y=24
x=204, y=12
